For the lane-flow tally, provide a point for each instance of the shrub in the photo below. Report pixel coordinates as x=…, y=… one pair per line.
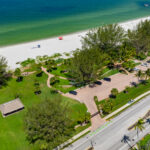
x=144, y=82
x=39, y=74
x=37, y=90
x=110, y=65
x=27, y=62
x=59, y=60
x=148, y=54
x=114, y=92
x=141, y=56
x=128, y=65
x=54, y=68
x=54, y=80
x=19, y=79
x=56, y=55
x=49, y=70
x=17, y=72
x=85, y=118
x=54, y=91
x=106, y=108
x=37, y=87
x=39, y=70
x=127, y=89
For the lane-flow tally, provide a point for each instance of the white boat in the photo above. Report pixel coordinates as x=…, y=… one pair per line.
x=146, y=5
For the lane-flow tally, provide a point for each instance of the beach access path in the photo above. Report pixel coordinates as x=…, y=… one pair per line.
x=20, y=52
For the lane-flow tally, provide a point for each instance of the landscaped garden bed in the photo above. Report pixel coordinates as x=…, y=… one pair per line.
x=111, y=104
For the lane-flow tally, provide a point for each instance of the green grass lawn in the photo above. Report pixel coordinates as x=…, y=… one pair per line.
x=110, y=73
x=63, y=82
x=122, y=98
x=106, y=72
x=58, y=72
x=12, y=134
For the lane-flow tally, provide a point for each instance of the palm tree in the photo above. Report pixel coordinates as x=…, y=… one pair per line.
x=126, y=139
x=147, y=73
x=139, y=74
x=92, y=145
x=139, y=126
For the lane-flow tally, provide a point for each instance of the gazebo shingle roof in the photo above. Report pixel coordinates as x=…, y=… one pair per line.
x=11, y=107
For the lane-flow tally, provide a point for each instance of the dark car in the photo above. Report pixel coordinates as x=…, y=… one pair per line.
x=73, y=92
x=107, y=79
x=98, y=82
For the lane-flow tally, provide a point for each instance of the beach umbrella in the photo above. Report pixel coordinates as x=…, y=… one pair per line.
x=60, y=38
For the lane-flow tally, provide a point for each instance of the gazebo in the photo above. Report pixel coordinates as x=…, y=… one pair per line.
x=11, y=107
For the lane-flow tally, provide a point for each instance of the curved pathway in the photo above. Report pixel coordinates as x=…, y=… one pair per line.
x=49, y=76
x=96, y=120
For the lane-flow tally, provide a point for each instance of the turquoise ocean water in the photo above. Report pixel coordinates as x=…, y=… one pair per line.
x=26, y=20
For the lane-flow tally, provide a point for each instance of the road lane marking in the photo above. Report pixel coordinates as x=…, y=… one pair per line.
x=102, y=127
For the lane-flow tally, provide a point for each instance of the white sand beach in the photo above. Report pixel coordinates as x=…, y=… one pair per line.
x=21, y=52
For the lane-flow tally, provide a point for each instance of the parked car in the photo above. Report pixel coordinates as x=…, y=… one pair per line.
x=145, y=64
x=136, y=69
x=131, y=101
x=98, y=82
x=107, y=79
x=73, y=92
x=142, y=64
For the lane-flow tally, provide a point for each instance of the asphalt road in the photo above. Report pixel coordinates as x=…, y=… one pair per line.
x=109, y=136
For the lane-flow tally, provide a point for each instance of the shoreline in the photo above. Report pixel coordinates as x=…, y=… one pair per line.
x=49, y=46
x=78, y=32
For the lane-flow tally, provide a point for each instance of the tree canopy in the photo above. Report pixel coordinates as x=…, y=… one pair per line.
x=47, y=124
x=106, y=45
x=4, y=75
x=106, y=38
x=140, y=37
x=85, y=64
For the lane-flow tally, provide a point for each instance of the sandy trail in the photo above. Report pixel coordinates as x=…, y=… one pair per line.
x=49, y=76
